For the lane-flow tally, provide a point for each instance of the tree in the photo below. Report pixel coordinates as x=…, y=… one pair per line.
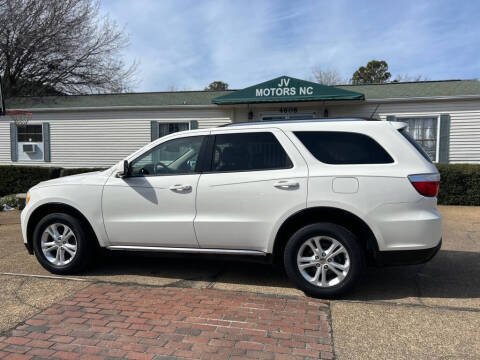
x=217, y=86
x=376, y=72
x=328, y=77
x=60, y=47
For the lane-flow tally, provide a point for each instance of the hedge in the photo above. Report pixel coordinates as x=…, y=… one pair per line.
x=18, y=179
x=68, y=172
x=459, y=185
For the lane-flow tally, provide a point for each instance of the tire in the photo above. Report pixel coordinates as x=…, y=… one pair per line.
x=48, y=259
x=303, y=244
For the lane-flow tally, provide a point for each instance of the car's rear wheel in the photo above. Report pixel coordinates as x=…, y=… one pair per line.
x=324, y=260
x=61, y=244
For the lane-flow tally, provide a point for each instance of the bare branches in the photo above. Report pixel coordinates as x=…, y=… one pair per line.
x=408, y=78
x=328, y=77
x=61, y=46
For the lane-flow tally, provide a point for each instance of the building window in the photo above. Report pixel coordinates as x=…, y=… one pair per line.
x=30, y=133
x=30, y=143
x=170, y=128
x=424, y=131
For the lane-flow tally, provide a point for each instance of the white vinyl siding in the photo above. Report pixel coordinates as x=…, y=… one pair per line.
x=5, y=143
x=102, y=138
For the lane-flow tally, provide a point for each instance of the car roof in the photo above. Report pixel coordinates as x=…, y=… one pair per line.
x=313, y=124
x=280, y=122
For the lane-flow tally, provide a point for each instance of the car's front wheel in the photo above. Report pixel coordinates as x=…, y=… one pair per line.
x=324, y=260
x=61, y=244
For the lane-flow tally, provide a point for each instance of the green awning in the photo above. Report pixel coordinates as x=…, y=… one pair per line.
x=287, y=89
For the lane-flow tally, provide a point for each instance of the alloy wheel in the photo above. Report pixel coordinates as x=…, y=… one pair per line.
x=323, y=261
x=59, y=244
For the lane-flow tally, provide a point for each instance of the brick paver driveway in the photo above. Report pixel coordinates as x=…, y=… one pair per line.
x=138, y=322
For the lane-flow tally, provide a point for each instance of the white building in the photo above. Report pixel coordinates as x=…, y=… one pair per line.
x=99, y=130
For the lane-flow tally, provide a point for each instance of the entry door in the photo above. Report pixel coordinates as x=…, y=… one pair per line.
x=155, y=206
x=257, y=178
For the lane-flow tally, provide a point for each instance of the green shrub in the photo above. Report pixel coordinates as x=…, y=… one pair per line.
x=18, y=179
x=68, y=172
x=459, y=184
x=9, y=200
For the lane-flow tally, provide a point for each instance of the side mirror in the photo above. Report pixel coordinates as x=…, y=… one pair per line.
x=126, y=170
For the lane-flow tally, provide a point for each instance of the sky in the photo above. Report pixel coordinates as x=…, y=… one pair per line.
x=186, y=44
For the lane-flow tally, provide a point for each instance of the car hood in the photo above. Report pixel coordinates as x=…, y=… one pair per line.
x=91, y=178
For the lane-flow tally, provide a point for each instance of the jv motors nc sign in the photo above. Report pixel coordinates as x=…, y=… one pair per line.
x=286, y=89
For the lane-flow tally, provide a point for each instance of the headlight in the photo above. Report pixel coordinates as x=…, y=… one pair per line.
x=27, y=199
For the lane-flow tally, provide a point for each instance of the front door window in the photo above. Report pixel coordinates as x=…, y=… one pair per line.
x=173, y=157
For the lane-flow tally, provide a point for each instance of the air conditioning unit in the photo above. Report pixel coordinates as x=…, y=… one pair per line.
x=29, y=148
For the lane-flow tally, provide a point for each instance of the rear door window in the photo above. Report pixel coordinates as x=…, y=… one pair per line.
x=342, y=148
x=248, y=152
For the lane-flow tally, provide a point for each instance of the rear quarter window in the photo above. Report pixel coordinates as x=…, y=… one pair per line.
x=343, y=148
x=416, y=145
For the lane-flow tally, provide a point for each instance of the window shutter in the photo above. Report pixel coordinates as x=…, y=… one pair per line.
x=444, y=141
x=193, y=124
x=13, y=142
x=46, y=142
x=153, y=130
x=391, y=118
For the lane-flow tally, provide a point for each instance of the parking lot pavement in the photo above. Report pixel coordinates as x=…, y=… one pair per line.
x=138, y=322
x=415, y=312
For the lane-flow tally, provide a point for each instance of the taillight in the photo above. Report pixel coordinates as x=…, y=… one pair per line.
x=426, y=184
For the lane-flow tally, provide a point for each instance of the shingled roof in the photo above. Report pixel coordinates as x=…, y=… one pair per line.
x=417, y=89
x=406, y=90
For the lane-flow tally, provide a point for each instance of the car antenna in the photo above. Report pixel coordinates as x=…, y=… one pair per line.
x=374, y=111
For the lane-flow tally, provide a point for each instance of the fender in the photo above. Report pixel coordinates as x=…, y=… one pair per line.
x=323, y=204
x=89, y=208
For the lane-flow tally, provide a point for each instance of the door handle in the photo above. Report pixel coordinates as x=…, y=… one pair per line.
x=287, y=185
x=181, y=188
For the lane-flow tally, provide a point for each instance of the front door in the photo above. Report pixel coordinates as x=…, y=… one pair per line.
x=155, y=205
x=257, y=178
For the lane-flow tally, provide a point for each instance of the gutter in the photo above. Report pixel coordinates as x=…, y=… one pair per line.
x=424, y=98
x=107, y=108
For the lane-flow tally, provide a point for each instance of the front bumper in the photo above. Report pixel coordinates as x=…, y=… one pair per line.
x=406, y=257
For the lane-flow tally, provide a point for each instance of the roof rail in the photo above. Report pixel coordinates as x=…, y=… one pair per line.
x=247, y=123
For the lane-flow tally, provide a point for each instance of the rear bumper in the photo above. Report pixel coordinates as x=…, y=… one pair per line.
x=406, y=257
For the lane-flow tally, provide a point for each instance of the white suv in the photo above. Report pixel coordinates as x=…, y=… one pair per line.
x=326, y=197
